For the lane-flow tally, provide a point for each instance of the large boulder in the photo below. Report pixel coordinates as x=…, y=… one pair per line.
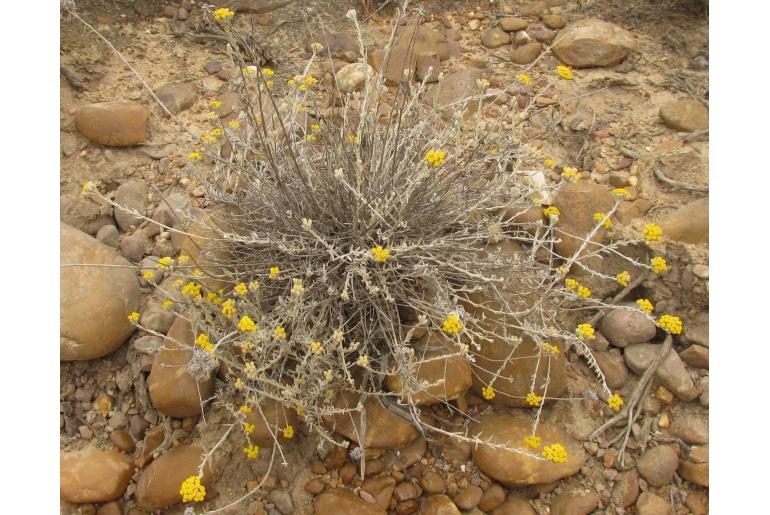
x=515, y=469
x=94, y=475
x=689, y=223
x=117, y=124
x=94, y=301
x=593, y=43
x=173, y=391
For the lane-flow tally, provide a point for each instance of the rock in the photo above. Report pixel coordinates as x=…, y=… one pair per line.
x=137, y=426
x=278, y=418
x=135, y=246
x=657, y=465
x=108, y=235
x=689, y=223
x=453, y=373
x=424, y=40
x=694, y=469
x=438, y=504
x=381, y=488
x=428, y=67
x=282, y=501
x=521, y=38
x=342, y=502
x=517, y=469
x=455, y=92
x=252, y=6
x=626, y=489
x=696, y=356
x=406, y=455
x=397, y=66
x=315, y=486
x=177, y=97
x=468, y=498
x=612, y=366
x=575, y=504
x=353, y=76
x=698, y=332
x=624, y=327
x=697, y=502
x=591, y=42
x=158, y=485
x=157, y=319
x=495, y=37
x=526, y=54
x=339, y=45
x=173, y=391
x=577, y=203
x=94, y=302
x=111, y=508
x=93, y=475
x=212, y=67
x=685, y=115
x=131, y=195
x=544, y=35
x=692, y=429
x=554, y=21
x=123, y=441
x=641, y=355
x=533, y=8
x=118, y=124
x=406, y=490
x=650, y=504
x=383, y=429
x=673, y=374
x=514, y=506
x=492, y=498
x=432, y=483
x=513, y=24
x=84, y=213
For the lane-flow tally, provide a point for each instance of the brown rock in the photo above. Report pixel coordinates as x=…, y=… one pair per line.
x=697, y=473
x=613, y=367
x=457, y=91
x=650, y=504
x=526, y=54
x=685, y=115
x=177, y=97
x=315, y=486
x=575, y=504
x=592, y=42
x=252, y=6
x=657, y=465
x=432, y=483
x=381, y=488
x=533, y=8
x=631, y=209
x=626, y=326
x=347, y=473
x=674, y=375
x=468, y=498
x=353, y=77
x=689, y=223
x=278, y=418
x=398, y=65
x=342, y=502
x=554, y=21
x=94, y=302
x=118, y=124
x=131, y=195
x=577, y=203
x=428, y=67
x=514, y=506
x=698, y=503
x=339, y=45
x=158, y=484
x=517, y=469
x=111, y=508
x=696, y=356
x=492, y=498
x=84, y=213
x=173, y=391
x=454, y=372
x=544, y=35
x=406, y=491
x=513, y=24
x=438, y=504
x=626, y=489
x=424, y=40
x=693, y=429
x=495, y=37
x=93, y=475
x=123, y=441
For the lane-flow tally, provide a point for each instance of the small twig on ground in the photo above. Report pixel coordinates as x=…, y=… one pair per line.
x=678, y=184
x=69, y=74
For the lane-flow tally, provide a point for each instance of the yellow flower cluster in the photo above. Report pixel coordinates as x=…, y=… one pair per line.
x=652, y=232
x=192, y=489
x=645, y=305
x=234, y=124
x=658, y=265
x=435, y=157
x=621, y=193
x=488, y=392
x=316, y=347
x=280, y=333
x=223, y=13
x=134, y=316
x=213, y=298
x=165, y=262
x=167, y=304
x=252, y=451
x=288, y=432
x=533, y=442
x=555, y=453
x=192, y=289
x=352, y=138
x=246, y=324
x=248, y=428
x=216, y=132
x=524, y=78
x=551, y=211
x=380, y=254
x=268, y=72
x=550, y=163
x=572, y=284
x=362, y=361
x=615, y=402
x=204, y=343
x=570, y=174
x=228, y=308
x=245, y=409
x=183, y=259
x=671, y=324
x=452, y=324
x=534, y=400
x=564, y=72
x=253, y=285
x=598, y=217
x=298, y=288
x=241, y=289
x=549, y=350
x=585, y=331
x=623, y=278
x=87, y=186
x=274, y=271
x=215, y=103
x=195, y=155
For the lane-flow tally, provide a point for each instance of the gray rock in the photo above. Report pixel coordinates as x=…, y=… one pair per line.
x=495, y=37
x=640, y=356
x=135, y=245
x=177, y=97
x=118, y=421
x=282, y=501
x=685, y=115
x=157, y=318
x=526, y=54
x=612, y=366
x=544, y=35
x=623, y=327
x=657, y=465
x=84, y=213
x=131, y=195
x=691, y=428
x=148, y=344
x=696, y=356
x=533, y=8
x=109, y=235
x=591, y=42
x=673, y=374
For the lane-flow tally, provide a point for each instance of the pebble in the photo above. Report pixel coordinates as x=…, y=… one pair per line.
x=123, y=441
x=119, y=124
x=591, y=42
x=432, y=483
x=691, y=428
x=282, y=501
x=468, y=498
x=685, y=115
x=109, y=235
x=650, y=504
x=623, y=327
x=513, y=24
x=554, y=21
x=495, y=37
x=406, y=491
x=657, y=465
x=94, y=475
x=575, y=504
x=696, y=356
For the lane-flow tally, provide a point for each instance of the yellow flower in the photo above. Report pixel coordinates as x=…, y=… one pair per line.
x=252, y=451
x=585, y=331
x=524, y=78
x=213, y=298
x=488, y=392
x=148, y=275
x=452, y=324
x=482, y=83
x=280, y=333
x=238, y=384
x=288, y=432
x=274, y=271
x=316, y=347
x=195, y=155
x=167, y=304
x=302, y=87
x=549, y=350
x=670, y=323
x=615, y=402
x=192, y=489
x=311, y=137
x=435, y=157
x=204, y=343
x=551, y=211
x=87, y=187
x=652, y=232
x=223, y=13
x=550, y=163
x=291, y=82
x=571, y=283
x=234, y=124
x=352, y=138
x=564, y=72
x=534, y=400
x=645, y=305
x=310, y=80
x=533, y=442
x=216, y=132
x=621, y=193
x=245, y=409
x=241, y=289
x=165, y=262
x=248, y=428
x=300, y=411
x=247, y=346
x=622, y=278
x=380, y=255
x=134, y=316
x=253, y=285
x=268, y=83
x=561, y=270
x=659, y=265
x=584, y=292
x=362, y=361
x=206, y=138
x=246, y=324
x=315, y=127
x=555, y=452
x=182, y=259
x=598, y=217
x=570, y=174
x=215, y=103
x=228, y=308
x=268, y=72
x=298, y=288
x=317, y=47
x=192, y=289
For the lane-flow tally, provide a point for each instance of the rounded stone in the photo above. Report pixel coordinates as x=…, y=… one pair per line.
x=94, y=475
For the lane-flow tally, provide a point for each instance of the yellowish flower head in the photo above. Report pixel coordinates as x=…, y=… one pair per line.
x=524, y=78
x=570, y=174
x=148, y=275
x=585, y=331
x=134, y=316
x=240, y=289
x=533, y=442
x=234, y=124
x=246, y=324
x=555, y=453
x=274, y=271
x=551, y=211
x=316, y=347
x=435, y=157
x=534, y=400
x=452, y=324
x=362, y=361
x=598, y=217
x=228, y=308
x=671, y=324
x=659, y=265
x=204, y=343
x=192, y=289
x=352, y=138
x=88, y=186
x=245, y=409
x=215, y=103
x=645, y=305
x=380, y=254
x=571, y=283
x=253, y=285
x=195, y=155
x=183, y=259
x=564, y=72
x=288, y=432
x=167, y=304
x=623, y=278
x=280, y=333
x=584, y=292
x=216, y=132
x=652, y=232
x=223, y=13
x=621, y=193
x=615, y=402
x=550, y=163
x=268, y=72
x=488, y=392
x=192, y=490
x=252, y=451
